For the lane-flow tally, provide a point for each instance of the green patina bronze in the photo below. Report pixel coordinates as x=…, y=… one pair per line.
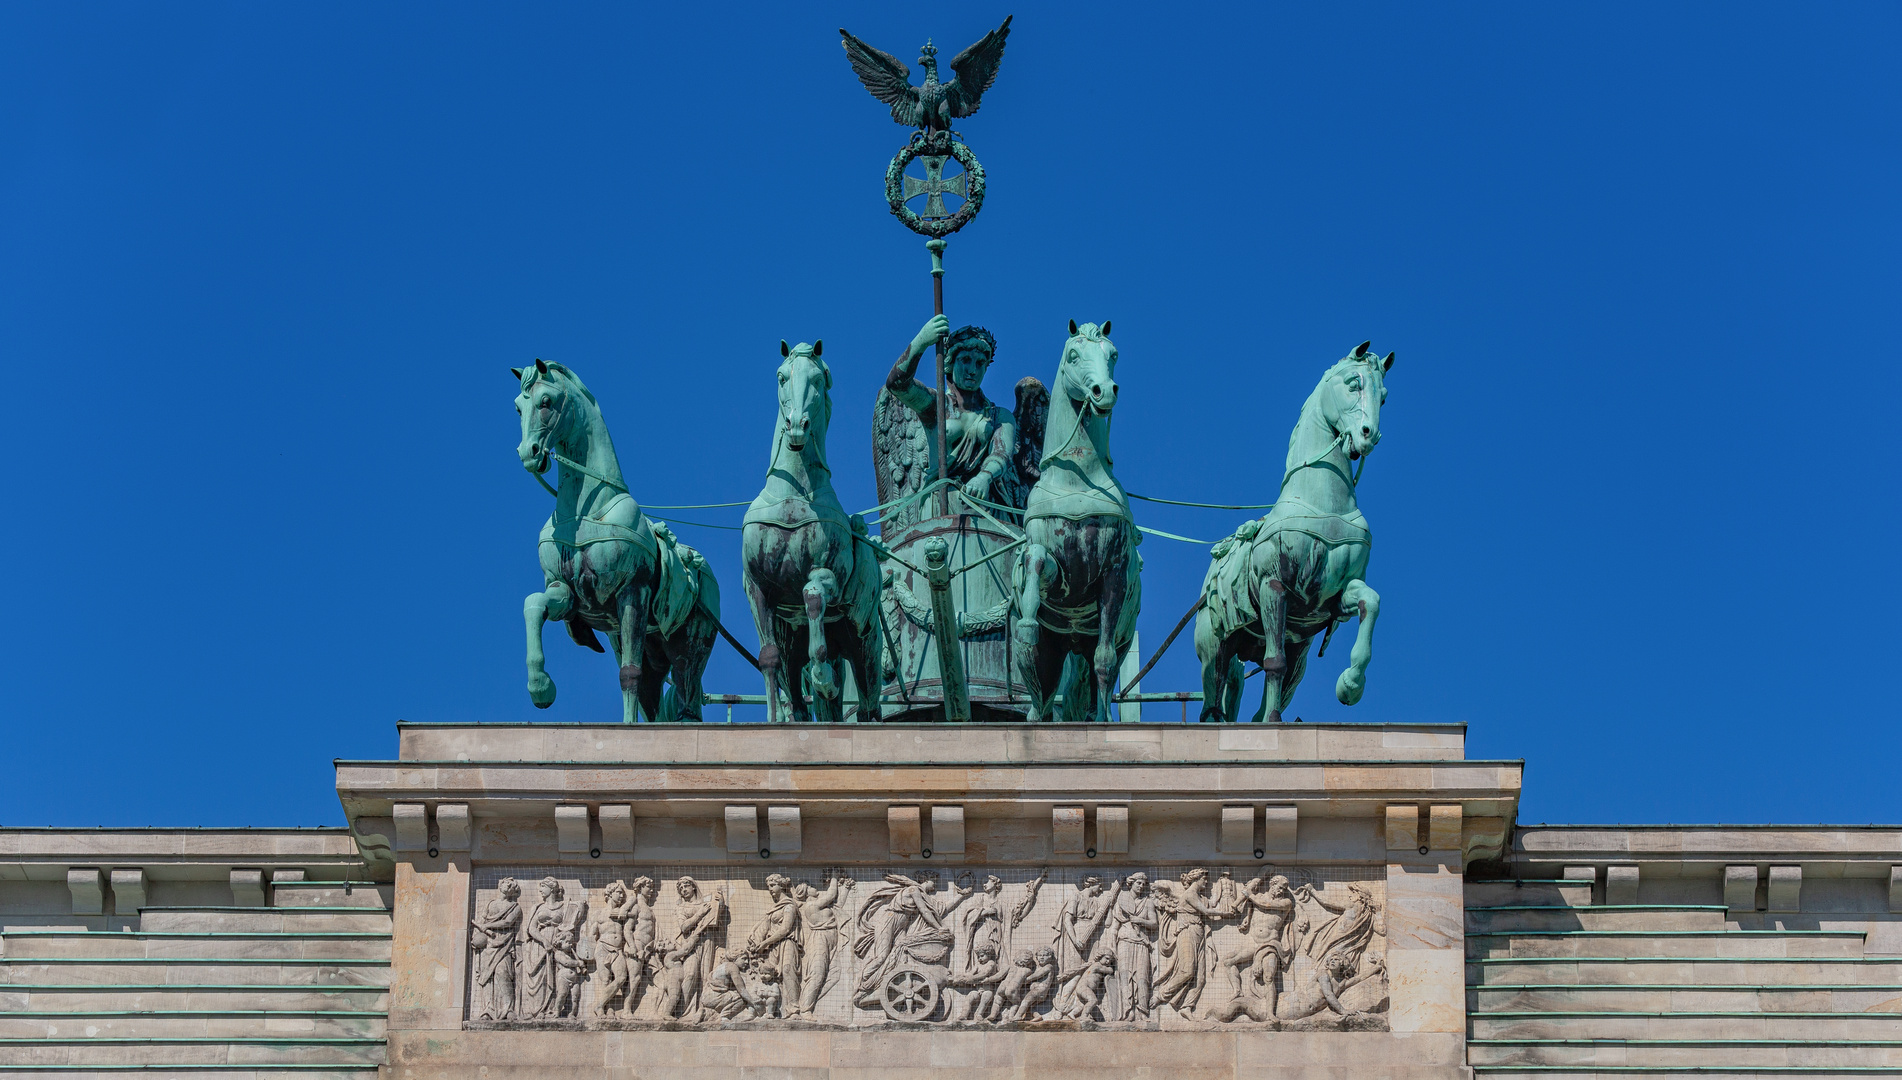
x=810, y=572
x=1280, y=580
x=1078, y=581
x=605, y=565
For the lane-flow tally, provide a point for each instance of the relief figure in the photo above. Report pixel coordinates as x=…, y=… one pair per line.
x=1133, y=926
x=541, y=983
x=1185, y=914
x=775, y=939
x=1078, y=923
x=689, y=958
x=492, y=935
x=819, y=929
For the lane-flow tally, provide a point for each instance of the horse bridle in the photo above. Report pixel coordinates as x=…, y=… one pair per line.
x=555, y=455
x=1353, y=480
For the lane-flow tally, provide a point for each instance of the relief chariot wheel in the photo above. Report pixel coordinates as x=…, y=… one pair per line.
x=908, y=994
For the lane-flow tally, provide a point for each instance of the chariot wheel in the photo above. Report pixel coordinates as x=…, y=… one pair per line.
x=908, y=994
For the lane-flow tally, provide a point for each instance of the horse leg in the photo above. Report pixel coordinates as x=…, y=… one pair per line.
x=1358, y=597
x=821, y=677
x=653, y=681
x=1038, y=569
x=692, y=648
x=1274, y=645
x=1297, y=667
x=1217, y=658
x=636, y=604
x=553, y=603
x=862, y=654
x=1109, y=611
x=769, y=655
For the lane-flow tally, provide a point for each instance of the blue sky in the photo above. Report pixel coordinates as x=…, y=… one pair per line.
x=263, y=269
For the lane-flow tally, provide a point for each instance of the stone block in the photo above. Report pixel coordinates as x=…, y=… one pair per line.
x=1112, y=830
x=1403, y=827
x=1580, y=873
x=1280, y=837
x=1786, y=888
x=742, y=829
x=1740, y=888
x=617, y=828
x=947, y=830
x=1895, y=889
x=783, y=833
x=412, y=826
x=290, y=876
x=1443, y=827
x=452, y=826
x=571, y=830
x=128, y=890
x=247, y=888
x=1621, y=885
x=1238, y=831
x=88, y=886
x=906, y=834
x=1066, y=830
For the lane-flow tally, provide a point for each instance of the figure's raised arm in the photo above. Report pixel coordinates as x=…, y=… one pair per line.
x=903, y=381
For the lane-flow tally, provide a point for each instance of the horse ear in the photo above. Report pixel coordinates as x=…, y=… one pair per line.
x=1105, y=328
x=517, y=372
x=784, y=349
x=1387, y=364
x=817, y=348
x=1361, y=349
x=541, y=366
x=1072, y=327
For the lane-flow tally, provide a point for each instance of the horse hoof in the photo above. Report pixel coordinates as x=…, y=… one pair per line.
x=541, y=691
x=1347, y=689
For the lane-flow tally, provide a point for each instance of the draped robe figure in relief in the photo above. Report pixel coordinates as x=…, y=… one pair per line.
x=492, y=934
x=1133, y=924
x=540, y=966
x=901, y=928
x=690, y=955
x=819, y=929
x=775, y=939
x=1351, y=928
x=1078, y=923
x=983, y=440
x=1185, y=917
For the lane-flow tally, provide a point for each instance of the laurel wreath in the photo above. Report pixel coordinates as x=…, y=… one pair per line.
x=940, y=146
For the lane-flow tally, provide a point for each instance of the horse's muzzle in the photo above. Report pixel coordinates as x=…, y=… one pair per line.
x=534, y=459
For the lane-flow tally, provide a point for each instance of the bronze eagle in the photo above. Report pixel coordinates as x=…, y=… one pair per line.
x=932, y=106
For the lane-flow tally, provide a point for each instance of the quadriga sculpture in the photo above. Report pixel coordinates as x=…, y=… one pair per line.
x=1283, y=578
x=1078, y=584
x=606, y=566
x=810, y=572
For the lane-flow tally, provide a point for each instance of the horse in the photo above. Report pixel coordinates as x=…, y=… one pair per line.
x=604, y=565
x=1077, y=584
x=806, y=561
x=1281, y=579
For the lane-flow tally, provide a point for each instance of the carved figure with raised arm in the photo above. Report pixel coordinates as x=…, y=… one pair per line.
x=1185, y=914
x=819, y=929
x=1087, y=991
x=611, y=949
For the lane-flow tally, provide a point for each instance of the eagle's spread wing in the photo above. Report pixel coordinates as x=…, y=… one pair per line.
x=885, y=76
x=977, y=70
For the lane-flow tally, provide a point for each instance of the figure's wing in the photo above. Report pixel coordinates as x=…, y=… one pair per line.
x=977, y=70
x=885, y=76
x=1033, y=413
x=900, y=456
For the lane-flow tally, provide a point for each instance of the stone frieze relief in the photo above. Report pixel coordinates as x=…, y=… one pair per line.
x=1173, y=947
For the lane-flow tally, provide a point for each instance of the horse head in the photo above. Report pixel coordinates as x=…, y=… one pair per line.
x=550, y=411
x=1350, y=397
x=805, y=401
x=1087, y=372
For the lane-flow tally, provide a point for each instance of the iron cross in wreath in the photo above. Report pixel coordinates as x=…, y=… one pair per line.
x=930, y=108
